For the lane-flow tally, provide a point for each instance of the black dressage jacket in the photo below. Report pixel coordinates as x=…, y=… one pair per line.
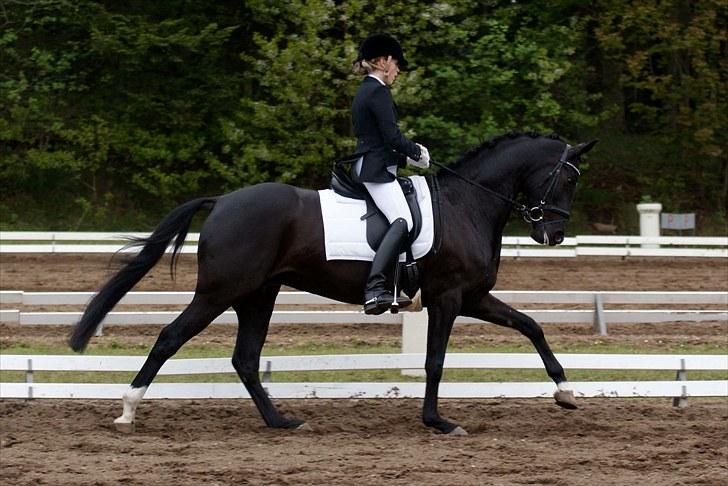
x=379, y=140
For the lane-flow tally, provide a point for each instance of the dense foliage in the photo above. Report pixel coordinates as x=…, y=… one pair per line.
x=112, y=112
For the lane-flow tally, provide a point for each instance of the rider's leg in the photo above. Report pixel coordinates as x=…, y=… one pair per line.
x=391, y=201
x=389, y=198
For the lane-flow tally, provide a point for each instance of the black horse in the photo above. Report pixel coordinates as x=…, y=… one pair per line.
x=261, y=237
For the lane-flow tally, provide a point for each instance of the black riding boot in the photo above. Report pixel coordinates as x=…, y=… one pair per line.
x=377, y=299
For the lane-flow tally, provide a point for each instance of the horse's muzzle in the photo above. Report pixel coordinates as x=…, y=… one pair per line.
x=541, y=234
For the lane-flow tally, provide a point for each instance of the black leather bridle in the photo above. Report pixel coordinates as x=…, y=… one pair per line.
x=536, y=213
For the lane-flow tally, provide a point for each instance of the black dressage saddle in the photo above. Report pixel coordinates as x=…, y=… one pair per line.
x=376, y=222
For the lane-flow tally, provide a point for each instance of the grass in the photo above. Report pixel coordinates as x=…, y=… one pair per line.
x=212, y=350
x=360, y=346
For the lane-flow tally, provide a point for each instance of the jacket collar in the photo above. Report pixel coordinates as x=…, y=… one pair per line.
x=374, y=78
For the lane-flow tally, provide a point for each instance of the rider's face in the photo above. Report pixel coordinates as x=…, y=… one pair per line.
x=390, y=67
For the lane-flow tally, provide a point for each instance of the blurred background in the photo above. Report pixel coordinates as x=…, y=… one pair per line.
x=112, y=113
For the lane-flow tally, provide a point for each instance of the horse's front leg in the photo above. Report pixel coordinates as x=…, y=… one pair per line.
x=442, y=313
x=488, y=308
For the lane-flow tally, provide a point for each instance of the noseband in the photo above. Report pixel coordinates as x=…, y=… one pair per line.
x=536, y=213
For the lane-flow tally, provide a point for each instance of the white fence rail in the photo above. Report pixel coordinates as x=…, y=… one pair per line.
x=680, y=388
x=513, y=246
x=304, y=298
x=414, y=323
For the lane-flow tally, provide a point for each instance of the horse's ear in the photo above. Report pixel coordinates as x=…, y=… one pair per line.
x=583, y=148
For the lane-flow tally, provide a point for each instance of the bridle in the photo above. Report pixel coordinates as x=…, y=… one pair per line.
x=552, y=178
x=536, y=213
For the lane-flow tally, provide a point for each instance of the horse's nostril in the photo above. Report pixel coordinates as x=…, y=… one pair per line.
x=559, y=238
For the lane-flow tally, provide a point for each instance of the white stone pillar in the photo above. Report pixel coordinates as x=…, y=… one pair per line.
x=649, y=221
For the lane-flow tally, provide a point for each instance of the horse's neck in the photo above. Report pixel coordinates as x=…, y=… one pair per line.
x=501, y=171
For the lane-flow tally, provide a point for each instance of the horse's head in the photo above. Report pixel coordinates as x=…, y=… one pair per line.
x=549, y=189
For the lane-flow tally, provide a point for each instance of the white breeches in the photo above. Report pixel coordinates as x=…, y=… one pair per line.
x=388, y=197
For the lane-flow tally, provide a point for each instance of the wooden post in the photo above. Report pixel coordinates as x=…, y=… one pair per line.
x=682, y=400
x=600, y=325
x=29, y=378
x=267, y=373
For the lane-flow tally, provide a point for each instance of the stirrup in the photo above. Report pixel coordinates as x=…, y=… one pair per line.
x=378, y=304
x=401, y=302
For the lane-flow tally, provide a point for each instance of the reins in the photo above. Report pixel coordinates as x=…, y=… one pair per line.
x=536, y=213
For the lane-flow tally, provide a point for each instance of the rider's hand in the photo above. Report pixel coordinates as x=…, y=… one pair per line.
x=424, y=161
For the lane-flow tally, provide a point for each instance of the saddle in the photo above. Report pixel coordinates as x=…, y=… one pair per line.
x=377, y=224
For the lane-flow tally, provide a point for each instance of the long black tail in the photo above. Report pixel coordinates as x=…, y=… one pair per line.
x=176, y=223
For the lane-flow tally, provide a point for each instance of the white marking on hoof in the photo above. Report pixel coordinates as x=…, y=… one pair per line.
x=131, y=400
x=564, y=386
x=304, y=427
x=458, y=431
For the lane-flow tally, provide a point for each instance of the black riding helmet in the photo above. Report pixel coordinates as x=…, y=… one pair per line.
x=382, y=44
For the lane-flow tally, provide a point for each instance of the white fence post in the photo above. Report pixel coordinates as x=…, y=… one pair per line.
x=414, y=337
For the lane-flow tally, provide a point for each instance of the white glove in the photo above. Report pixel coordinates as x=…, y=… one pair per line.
x=424, y=161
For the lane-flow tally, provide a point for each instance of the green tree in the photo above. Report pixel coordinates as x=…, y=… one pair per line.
x=670, y=59
x=110, y=109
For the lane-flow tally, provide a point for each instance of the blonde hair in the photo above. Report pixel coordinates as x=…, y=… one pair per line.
x=367, y=66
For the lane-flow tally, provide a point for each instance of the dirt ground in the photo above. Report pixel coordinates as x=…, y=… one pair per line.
x=606, y=441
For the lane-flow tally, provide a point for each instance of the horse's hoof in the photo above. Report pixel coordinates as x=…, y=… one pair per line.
x=304, y=427
x=125, y=427
x=565, y=399
x=458, y=431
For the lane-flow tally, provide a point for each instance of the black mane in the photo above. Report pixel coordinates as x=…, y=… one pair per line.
x=493, y=142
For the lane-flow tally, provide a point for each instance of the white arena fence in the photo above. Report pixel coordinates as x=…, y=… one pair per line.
x=414, y=324
x=512, y=246
x=414, y=331
x=680, y=389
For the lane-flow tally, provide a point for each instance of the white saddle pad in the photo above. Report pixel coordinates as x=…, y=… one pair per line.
x=346, y=234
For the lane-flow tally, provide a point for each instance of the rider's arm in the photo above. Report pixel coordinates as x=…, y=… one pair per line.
x=382, y=106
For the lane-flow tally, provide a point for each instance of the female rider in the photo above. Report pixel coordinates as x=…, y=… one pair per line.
x=382, y=148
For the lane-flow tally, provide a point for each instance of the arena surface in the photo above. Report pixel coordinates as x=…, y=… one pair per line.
x=606, y=441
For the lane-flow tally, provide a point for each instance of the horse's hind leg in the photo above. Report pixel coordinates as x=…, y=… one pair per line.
x=488, y=308
x=196, y=317
x=254, y=313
